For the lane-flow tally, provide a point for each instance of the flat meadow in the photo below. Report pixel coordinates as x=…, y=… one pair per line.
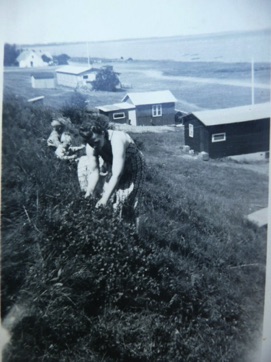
x=195, y=85
x=84, y=286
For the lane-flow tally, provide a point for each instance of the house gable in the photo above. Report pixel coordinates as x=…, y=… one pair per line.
x=149, y=98
x=153, y=108
x=29, y=58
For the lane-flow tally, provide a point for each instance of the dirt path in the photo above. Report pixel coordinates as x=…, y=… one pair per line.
x=262, y=168
x=144, y=129
x=230, y=82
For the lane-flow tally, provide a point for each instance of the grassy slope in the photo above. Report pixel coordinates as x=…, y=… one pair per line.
x=189, y=287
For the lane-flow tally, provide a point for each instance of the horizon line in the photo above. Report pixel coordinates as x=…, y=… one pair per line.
x=142, y=38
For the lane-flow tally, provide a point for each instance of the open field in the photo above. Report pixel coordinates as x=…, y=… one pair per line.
x=196, y=86
x=188, y=287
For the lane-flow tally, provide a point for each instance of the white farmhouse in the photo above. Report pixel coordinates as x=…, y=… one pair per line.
x=30, y=59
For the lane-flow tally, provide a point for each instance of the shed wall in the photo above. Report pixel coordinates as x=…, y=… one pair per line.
x=200, y=140
x=110, y=116
x=68, y=80
x=241, y=138
x=144, y=115
x=43, y=83
x=73, y=80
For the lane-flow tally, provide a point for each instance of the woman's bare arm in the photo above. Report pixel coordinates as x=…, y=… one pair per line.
x=119, y=143
x=93, y=171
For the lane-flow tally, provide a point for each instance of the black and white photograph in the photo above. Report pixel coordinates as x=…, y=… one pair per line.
x=135, y=139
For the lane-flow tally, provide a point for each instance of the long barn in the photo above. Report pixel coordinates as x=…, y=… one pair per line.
x=73, y=76
x=228, y=132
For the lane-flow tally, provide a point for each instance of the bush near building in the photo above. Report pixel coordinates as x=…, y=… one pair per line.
x=106, y=80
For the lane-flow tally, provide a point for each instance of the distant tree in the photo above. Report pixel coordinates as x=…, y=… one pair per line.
x=10, y=54
x=45, y=58
x=61, y=59
x=106, y=80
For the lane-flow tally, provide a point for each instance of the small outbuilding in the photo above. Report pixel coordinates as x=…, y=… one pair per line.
x=142, y=109
x=75, y=76
x=152, y=108
x=43, y=80
x=228, y=132
x=119, y=112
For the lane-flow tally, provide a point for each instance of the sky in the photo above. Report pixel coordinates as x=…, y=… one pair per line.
x=47, y=21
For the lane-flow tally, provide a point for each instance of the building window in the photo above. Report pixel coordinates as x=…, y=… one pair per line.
x=219, y=137
x=118, y=115
x=85, y=76
x=191, y=130
x=157, y=110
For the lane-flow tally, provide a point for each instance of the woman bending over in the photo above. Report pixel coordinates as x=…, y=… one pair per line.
x=125, y=162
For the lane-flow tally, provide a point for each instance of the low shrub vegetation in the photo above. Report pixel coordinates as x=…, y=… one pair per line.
x=188, y=286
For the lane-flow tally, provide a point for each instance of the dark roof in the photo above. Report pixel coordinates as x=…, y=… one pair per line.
x=43, y=75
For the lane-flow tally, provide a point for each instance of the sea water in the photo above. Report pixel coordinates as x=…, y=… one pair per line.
x=228, y=47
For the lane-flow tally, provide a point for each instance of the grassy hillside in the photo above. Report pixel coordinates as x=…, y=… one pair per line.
x=188, y=287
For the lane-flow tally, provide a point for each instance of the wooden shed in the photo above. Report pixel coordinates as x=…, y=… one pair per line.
x=119, y=112
x=228, y=132
x=74, y=76
x=43, y=80
x=152, y=108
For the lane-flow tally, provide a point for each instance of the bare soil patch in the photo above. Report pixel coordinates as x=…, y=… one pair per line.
x=145, y=129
